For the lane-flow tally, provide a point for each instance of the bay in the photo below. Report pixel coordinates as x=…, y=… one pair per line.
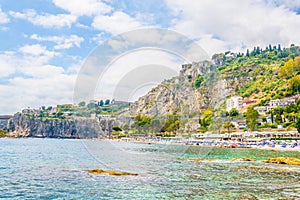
x=32, y=168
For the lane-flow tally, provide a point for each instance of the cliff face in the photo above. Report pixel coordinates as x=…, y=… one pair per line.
x=179, y=95
x=24, y=126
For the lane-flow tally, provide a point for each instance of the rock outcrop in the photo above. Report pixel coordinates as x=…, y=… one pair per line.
x=112, y=173
x=179, y=95
x=28, y=126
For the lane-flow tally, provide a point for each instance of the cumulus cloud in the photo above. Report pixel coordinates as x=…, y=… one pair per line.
x=235, y=24
x=61, y=42
x=34, y=82
x=45, y=20
x=34, y=92
x=116, y=23
x=35, y=50
x=6, y=65
x=87, y=7
x=3, y=17
x=128, y=65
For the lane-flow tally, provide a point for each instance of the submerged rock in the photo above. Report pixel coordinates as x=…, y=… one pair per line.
x=242, y=159
x=247, y=197
x=113, y=173
x=284, y=160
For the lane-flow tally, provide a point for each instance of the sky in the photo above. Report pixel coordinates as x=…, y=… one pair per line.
x=45, y=43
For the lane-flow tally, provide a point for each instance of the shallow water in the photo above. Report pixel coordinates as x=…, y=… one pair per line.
x=54, y=169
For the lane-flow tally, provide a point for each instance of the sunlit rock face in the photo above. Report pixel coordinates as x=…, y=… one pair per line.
x=23, y=126
x=180, y=95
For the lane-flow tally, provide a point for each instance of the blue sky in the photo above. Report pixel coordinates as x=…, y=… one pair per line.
x=44, y=43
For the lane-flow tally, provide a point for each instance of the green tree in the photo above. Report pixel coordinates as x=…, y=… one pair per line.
x=116, y=128
x=107, y=101
x=291, y=68
x=3, y=133
x=295, y=84
x=198, y=81
x=142, y=123
x=251, y=118
x=171, y=124
x=233, y=112
x=101, y=103
x=247, y=53
x=81, y=104
x=91, y=105
x=228, y=126
x=298, y=125
x=125, y=127
x=206, y=120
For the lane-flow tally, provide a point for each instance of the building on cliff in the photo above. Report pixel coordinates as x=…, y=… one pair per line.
x=234, y=102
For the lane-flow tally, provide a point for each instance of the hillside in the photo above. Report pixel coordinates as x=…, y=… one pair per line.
x=200, y=90
x=206, y=84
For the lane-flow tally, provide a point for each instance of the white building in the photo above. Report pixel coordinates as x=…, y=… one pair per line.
x=234, y=102
x=277, y=102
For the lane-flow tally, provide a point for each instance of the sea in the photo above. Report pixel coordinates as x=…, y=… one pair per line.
x=36, y=168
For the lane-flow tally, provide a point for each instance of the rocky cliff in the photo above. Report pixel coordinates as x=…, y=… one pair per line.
x=180, y=95
x=27, y=126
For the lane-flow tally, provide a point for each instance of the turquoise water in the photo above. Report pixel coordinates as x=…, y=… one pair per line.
x=54, y=169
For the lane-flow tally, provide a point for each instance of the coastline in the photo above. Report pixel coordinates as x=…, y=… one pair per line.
x=149, y=141
x=201, y=143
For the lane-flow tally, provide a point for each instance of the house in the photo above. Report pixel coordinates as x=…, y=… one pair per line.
x=31, y=111
x=247, y=103
x=4, y=120
x=104, y=116
x=241, y=124
x=277, y=102
x=262, y=109
x=194, y=127
x=186, y=66
x=234, y=102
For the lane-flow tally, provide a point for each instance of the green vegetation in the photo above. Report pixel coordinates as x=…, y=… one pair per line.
x=3, y=133
x=206, y=120
x=233, y=112
x=83, y=109
x=228, y=126
x=198, y=81
x=167, y=125
x=251, y=118
x=116, y=128
x=298, y=125
x=171, y=124
x=261, y=75
x=266, y=74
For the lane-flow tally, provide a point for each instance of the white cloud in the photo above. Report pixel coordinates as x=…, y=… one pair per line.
x=35, y=50
x=116, y=23
x=35, y=83
x=235, y=24
x=99, y=38
x=3, y=17
x=35, y=92
x=46, y=20
x=6, y=65
x=120, y=79
x=61, y=42
x=86, y=7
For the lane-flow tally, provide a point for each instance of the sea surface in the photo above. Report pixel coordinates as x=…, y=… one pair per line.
x=54, y=169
